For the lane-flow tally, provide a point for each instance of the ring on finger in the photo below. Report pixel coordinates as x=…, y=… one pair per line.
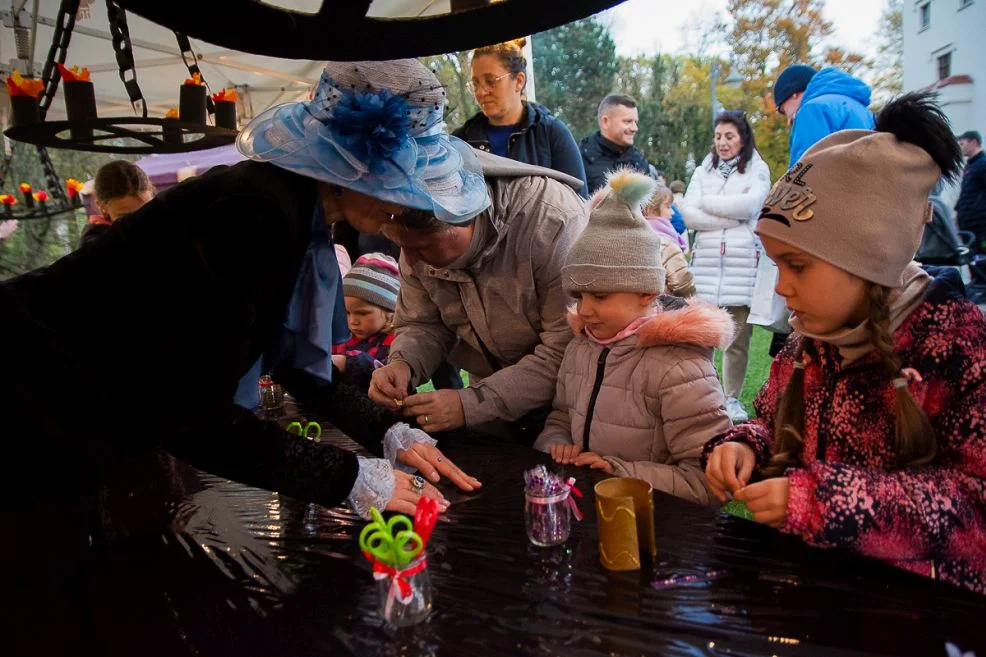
x=417, y=484
x=440, y=459
x=427, y=419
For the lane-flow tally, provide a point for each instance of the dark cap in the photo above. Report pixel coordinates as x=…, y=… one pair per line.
x=792, y=80
x=972, y=134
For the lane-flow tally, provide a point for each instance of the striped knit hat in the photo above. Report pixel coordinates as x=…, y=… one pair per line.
x=374, y=278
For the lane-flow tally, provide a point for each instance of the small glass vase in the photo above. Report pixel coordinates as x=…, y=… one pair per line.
x=548, y=520
x=394, y=607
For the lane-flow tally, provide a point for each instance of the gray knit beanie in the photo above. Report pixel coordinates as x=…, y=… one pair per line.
x=619, y=251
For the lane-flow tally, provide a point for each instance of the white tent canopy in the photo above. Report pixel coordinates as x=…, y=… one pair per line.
x=260, y=81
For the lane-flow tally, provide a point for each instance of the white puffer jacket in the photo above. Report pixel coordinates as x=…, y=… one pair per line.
x=724, y=261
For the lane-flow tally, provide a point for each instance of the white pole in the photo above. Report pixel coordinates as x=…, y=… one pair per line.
x=529, y=56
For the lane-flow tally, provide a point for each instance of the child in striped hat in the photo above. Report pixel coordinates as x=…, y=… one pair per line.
x=370, y=289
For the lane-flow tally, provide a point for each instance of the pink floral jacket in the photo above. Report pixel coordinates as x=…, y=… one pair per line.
x=928, y=519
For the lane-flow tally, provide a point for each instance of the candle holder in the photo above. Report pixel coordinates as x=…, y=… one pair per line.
x=27, y=193
x=226, y=114
x=191, y=103
x=24, y=110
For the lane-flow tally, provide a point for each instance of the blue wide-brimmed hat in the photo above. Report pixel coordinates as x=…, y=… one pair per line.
x=377, y=128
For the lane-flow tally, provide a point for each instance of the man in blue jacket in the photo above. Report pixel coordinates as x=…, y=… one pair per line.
x=818, y=103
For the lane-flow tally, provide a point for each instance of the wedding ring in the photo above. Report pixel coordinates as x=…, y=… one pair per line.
x=427, y=419
x=399, y=403
x=440, y=459
x=417, y=483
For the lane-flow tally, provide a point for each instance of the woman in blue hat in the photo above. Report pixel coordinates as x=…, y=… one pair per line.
x=230, y=274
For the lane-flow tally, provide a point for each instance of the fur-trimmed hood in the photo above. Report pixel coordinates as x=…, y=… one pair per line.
x=695, y=322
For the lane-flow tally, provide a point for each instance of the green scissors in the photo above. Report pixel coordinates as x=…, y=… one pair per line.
x=379, y=539
x=310, y=430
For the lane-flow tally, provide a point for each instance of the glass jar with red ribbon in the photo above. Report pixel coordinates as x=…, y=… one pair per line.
x=396, y=550
x=549, y=506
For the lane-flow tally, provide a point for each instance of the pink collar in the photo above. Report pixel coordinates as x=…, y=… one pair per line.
x=630, y=329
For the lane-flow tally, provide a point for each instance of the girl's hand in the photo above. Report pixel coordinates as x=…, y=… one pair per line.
x=565, y=453
x=767, y=500
x=339, y=362
x=594, y=461
x=729, y=468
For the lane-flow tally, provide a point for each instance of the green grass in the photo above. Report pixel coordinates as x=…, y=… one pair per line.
x=756, y=371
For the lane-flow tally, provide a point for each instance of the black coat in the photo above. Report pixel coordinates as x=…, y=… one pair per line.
x=138, y=340
x=541, y=139
x=971, y=206
x=601, y=156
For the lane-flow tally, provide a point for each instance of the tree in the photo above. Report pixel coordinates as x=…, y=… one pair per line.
x=888, y=66
x=453, y=71
x=575, y=66
x=766, y=37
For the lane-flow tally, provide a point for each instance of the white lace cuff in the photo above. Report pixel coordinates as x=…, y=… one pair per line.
x=374, y=486
x=402, y=436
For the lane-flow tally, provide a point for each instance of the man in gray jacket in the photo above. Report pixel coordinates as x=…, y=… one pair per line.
x=488, y=296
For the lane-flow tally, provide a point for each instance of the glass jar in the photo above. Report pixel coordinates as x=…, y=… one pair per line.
x=271, y=394
x=548, y=519
x=414, y=608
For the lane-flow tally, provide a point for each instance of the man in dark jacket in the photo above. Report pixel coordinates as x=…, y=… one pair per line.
x=540, y=139
x=612, y=147
x=971, y=206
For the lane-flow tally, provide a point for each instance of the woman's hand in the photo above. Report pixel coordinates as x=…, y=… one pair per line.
x=767, y=500
x=594, y=461
x=406, y=494
x=389, y=383
x=565, y=453
x=729, y=468
x=430, y=461
x=436, y=411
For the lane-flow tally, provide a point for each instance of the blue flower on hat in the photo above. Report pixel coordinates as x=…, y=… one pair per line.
x=373, y=126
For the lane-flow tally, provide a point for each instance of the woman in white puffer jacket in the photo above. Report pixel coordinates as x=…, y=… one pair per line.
x=722, y=204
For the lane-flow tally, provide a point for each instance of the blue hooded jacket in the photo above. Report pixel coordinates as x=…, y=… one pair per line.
x=833, y=101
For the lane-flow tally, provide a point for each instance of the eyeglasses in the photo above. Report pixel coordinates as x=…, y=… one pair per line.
x=487, y=82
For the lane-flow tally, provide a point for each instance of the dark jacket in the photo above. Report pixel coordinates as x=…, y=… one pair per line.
x=971, y=206
x=541, y=139
x=92, y=232
x=200, y=281
x=601, y=156
x=833, y=101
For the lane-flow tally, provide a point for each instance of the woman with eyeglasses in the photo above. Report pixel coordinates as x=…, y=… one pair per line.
x=510, y=126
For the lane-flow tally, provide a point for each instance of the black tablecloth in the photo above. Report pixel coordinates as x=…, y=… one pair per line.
x=167, y=560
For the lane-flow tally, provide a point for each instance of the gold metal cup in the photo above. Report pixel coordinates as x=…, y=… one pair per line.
x=625, y=515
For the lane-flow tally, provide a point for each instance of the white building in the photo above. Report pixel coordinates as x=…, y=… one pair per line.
x=945, y=49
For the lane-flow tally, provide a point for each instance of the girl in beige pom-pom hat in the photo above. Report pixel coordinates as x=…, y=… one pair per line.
x=637, y=392
x=871, y=430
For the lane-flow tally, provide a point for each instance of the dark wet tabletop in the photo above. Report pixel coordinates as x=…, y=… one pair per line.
x=168, y=560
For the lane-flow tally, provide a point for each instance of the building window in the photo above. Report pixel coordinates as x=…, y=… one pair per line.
x=925, y=16
x=944, y=66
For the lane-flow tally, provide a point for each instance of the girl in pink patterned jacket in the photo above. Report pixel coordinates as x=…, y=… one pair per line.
x=871, y=429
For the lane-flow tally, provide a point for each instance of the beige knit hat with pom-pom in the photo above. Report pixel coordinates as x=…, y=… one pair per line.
x=619, y=251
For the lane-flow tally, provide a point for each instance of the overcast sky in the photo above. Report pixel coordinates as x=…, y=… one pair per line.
x=650, y=26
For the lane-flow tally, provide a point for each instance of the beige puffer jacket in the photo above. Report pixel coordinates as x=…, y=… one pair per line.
x=504, y=291
x=647, y=403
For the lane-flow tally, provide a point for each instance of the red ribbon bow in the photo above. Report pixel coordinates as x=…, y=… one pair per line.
x=572, y=504
x=398, y=577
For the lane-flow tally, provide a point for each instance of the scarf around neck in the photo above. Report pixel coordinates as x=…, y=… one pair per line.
x=854, y=342
x=726, y=167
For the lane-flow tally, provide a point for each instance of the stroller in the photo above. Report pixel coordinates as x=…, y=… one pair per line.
x=942, y=245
